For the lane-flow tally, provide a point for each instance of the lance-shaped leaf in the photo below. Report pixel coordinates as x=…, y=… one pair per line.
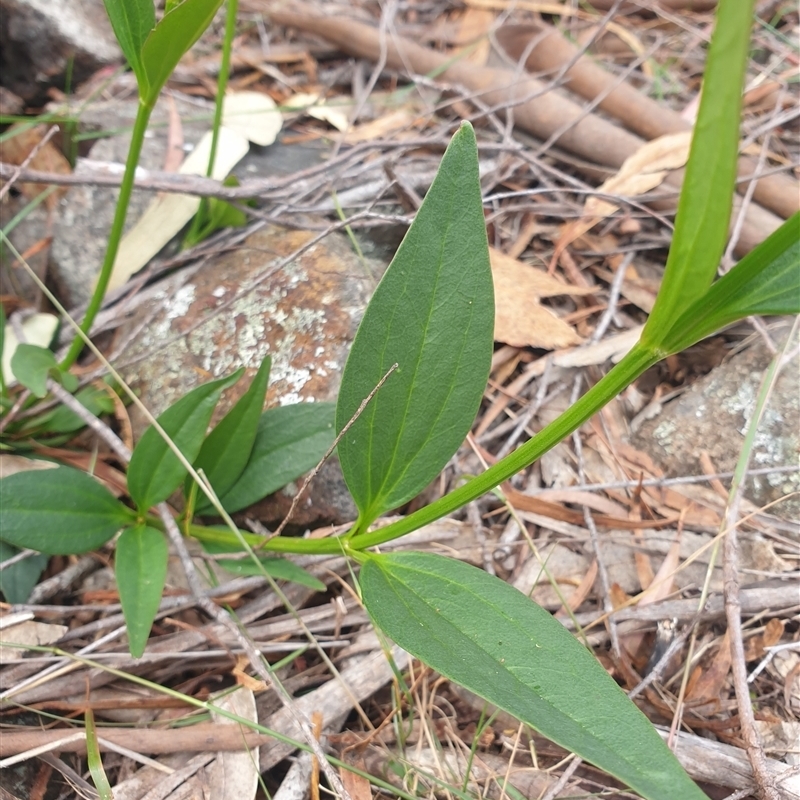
x=290, y=441
x=60, y=512
x=166, y=44
x=433, y=315
x=766, y=281
x=227, y=449
x=704, y=208
x=155, y=472
x=140, y=567
x=482, y=633
x=132, y=21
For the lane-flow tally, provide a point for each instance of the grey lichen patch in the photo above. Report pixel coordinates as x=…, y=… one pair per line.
x=664, y=432
x=714, y=415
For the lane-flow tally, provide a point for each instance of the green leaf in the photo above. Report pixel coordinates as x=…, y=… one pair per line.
x=766, y=281
x=94, y=761
x=31, y=366
x=704, y=209
x=485, y=635
x=63, y=420
x=433, y=315
x=59, y=511
x=226, y=450
x=280, y=568
x=140, y=566
x=18, y=580
x=214, y=215
x=290, y=441
x=132, y=21
x=166, y=44
x=155, y=471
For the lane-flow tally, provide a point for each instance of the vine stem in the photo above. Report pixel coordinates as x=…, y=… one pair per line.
x=117, y=229
x=620, y=377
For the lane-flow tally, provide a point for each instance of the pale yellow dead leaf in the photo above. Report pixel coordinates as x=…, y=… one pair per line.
x=23, y=630
x=473, y=32
x=234, y=775
x=520, y=320
x=381, y=127
x=612, y=348
x=336, y=115
x=254, y=115
x=168, y=213
x=642, y=171
x=247, y=117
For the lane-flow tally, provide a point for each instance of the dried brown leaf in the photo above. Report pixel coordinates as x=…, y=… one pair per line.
x=520, y=319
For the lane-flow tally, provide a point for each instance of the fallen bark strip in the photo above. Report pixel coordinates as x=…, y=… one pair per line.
x=638, y=112
x=724, y=765
x=200, y=738
x=363, y=678
x=537, y=107
x=754, y=601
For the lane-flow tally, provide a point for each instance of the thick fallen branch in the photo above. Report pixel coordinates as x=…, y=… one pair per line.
x=638, y=112
x=536, y=106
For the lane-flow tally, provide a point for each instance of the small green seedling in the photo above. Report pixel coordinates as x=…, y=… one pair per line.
x=429, y=328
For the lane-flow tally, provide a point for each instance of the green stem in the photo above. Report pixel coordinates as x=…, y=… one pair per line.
x=222, y=84
x=222, y=79
x=117, y=229
x=622, y=375
x=280, y=544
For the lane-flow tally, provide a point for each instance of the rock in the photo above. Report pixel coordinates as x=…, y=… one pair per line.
x=38, y=38
x=10, y=104
x=33, y=229
x=86, y=212
x=713, y=414
x=303, y=314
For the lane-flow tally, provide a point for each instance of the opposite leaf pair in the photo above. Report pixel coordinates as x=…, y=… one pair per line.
x=248, y=455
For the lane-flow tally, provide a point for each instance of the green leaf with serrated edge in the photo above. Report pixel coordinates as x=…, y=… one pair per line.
x=64, y=420
x=17, y=581
x=140, y=566
x=155, y=471
x=766, y=281
x=290, y=441
x=166, y=44
x=280, y=568
x=433, y=315
x=59, y=511
x=132, y=21
x=704, y=208
x=482, y=633
x=226, y=450
x=31, y=366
